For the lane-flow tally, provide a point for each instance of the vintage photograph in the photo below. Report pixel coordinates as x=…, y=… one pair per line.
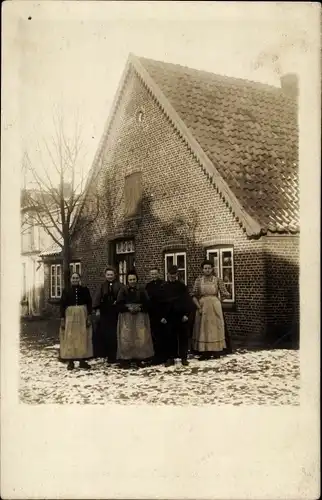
x=160, y=222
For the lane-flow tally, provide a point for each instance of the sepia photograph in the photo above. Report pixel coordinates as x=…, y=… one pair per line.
x=160, y=263
x=153, y=261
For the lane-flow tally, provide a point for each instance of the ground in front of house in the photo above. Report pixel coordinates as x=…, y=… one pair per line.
x=244, y=378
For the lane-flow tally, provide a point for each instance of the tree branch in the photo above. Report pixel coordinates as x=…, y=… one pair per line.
x=52, y=208
x=42, y=210
x=41, y=222
x=81, y=225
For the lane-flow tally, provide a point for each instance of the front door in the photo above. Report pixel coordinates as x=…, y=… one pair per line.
x=125, y=258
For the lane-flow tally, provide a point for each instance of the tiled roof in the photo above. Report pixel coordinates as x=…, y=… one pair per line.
x=52, y=250
x=249, y=132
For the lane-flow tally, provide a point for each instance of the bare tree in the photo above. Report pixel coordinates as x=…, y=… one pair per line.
x=59, y=188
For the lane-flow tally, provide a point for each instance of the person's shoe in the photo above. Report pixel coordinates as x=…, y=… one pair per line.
x=204, y=357
x=84, y=365
x=125, y=364
x=169, y=362
x=70, y=365
x=185, y=362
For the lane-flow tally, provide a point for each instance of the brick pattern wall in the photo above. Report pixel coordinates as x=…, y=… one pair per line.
x=282, y=284
x=180, y=210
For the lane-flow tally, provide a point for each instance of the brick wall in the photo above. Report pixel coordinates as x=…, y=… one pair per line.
x=282, y=285
x=180, y=209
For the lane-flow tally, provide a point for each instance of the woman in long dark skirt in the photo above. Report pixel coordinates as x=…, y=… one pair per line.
x=76, y=326
x=104, y=303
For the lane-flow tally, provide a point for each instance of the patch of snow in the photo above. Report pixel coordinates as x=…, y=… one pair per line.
x=243, y=378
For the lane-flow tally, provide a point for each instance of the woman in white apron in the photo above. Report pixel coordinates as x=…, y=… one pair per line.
x=208, y=337
x=76, y=326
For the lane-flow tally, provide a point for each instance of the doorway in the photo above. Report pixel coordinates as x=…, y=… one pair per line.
x=125, y=258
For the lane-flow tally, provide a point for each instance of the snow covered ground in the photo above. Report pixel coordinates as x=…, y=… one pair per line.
x=244, y=378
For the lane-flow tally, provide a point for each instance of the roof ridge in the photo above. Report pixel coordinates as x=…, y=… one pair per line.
x=218, y=77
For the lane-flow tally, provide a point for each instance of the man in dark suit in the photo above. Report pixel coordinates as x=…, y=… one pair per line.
x=177, y=307
x=155, y=291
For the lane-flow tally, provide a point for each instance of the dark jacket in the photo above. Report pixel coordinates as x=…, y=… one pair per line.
x=75, y=296
x=106, y=295
x=155, y=291
x=177, y=300
x=136, y=295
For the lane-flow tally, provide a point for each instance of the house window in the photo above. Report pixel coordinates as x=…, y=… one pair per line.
x=178, y=259
x=75, y=267
x=122, y=270
x=125, y=258
x=133, y=194
x=24, y=282
x=126, y=246
x=223, y=259
x=28, y=242
x=55, y=281
x=32, y=238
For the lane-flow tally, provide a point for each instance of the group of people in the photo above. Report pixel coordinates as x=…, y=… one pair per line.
x=137, y=325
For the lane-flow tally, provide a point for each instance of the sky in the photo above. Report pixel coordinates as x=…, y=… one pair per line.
x=72, y=54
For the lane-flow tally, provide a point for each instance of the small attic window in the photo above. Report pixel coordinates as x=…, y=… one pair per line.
x=140, y=116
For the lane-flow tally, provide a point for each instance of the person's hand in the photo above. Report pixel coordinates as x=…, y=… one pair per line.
x=163, y=321
x=88, y=322
x=184, y=319
x=98, y=312
x=133, y=308
x=200, y=309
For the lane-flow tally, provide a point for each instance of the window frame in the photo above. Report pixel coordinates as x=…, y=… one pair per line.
x=219, y=250
x=54, y=280
x=122, y=275
x=32, y=238
x=175, y=255
x=73, y=267
x=124, y=249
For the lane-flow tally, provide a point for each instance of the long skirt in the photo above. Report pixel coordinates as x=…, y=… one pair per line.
x=76, y=337
x=105, y=336
x=209, y=327
x=134, y=340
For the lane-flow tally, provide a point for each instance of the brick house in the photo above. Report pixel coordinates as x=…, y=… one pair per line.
x=194, y=165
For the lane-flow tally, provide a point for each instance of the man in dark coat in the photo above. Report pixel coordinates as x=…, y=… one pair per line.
x=177, y=307
x=155, y=291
